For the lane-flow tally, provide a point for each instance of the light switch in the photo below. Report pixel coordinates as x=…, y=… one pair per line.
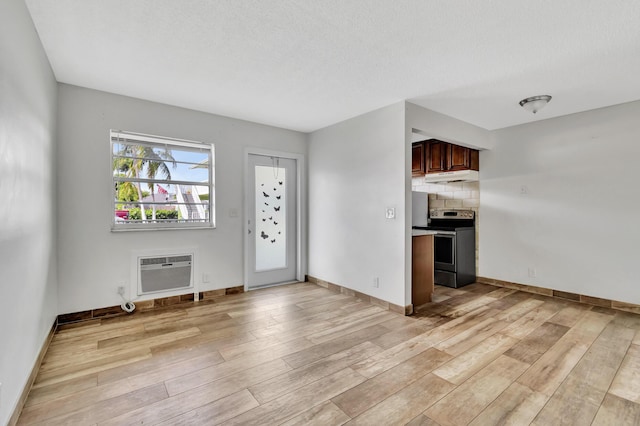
x=233, y=212
x=391, y=213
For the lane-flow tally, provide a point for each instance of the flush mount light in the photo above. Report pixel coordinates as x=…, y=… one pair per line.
x=535, y=103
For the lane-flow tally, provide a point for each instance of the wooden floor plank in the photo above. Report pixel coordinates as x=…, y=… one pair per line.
x=294, y=379
x=315, y=352
x=216, y=412
x=294, y=403
x=404, y=405
x=321, y=415
x=44, y=394
x=517, y=311
x=517, y=405
x=475, y=303
x=364, y=396
x=570, y=315
x=279, y=333
x=537, y=342
x=194, y=400
x=510, y=300
x=465, y=402
x=355, y=325
x=414, y=346
x=204, y=339
x=397, y=335
x=548, y=372
x=578, y=398
x=74, y=401
x=627, y=382
x=422, y=420
x=467, y=364
x=81, y=369
x=95, y=358
x=103, y=410
x=469, y=338
x=533, y=319
x=302, y=354
x=201, y=357
x=207, y=375
x=617, y=411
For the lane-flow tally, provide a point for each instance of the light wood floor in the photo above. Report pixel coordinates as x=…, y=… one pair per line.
x=300, y=354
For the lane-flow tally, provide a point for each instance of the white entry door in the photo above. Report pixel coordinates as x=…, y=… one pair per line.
x=272, y=226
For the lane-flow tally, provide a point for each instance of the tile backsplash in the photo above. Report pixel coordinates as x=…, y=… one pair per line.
x=453, y=195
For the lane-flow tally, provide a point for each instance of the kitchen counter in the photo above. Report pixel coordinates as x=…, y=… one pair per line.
x=421, y=232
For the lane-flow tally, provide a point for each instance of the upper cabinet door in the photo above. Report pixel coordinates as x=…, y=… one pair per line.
x=459, y=157
x=417, y=159
x=462, y=158
x=437, y=156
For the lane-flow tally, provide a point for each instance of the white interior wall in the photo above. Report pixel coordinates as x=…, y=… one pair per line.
x=92, y=260
x=435, y=125
x=28, y=287
x=577, y=222
x=356, y=170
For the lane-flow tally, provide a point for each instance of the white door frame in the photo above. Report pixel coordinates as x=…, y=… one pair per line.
x=301, y=209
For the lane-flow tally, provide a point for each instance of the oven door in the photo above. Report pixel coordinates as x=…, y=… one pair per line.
x=444, y=251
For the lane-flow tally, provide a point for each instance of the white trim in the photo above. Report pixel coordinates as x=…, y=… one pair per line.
x=159, y=140
x=151, y=140
x=301, y=209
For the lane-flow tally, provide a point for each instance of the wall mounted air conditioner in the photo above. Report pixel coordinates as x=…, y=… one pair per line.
x=164, y=273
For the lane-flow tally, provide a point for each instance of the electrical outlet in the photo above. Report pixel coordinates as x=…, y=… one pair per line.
x=206, y=278
x=532, y=272
x=121, y=290
x=376, y=282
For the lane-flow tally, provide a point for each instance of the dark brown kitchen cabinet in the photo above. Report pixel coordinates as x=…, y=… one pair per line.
x=417, y=159
x=462, y=158
x=434, y=156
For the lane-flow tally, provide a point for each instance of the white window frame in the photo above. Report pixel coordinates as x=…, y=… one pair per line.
x=117, y=225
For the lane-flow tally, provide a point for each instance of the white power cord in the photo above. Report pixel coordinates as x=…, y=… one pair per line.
x=127, y=305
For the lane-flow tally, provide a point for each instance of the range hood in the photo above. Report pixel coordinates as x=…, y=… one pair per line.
x=457, y=176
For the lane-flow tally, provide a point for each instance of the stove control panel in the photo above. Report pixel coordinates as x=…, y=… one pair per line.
x=451, y=214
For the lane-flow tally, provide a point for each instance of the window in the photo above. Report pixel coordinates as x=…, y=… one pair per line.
x=161, y=183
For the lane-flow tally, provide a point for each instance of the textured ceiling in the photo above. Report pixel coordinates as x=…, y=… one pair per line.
x=307, y=64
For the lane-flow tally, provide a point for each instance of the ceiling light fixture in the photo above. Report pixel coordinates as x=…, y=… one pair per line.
x=535, y=103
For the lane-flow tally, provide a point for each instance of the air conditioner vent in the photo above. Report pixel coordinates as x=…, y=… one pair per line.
x=179, y=258
x=153, y=261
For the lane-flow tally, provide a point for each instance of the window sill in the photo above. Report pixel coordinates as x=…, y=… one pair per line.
x=159, y=228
